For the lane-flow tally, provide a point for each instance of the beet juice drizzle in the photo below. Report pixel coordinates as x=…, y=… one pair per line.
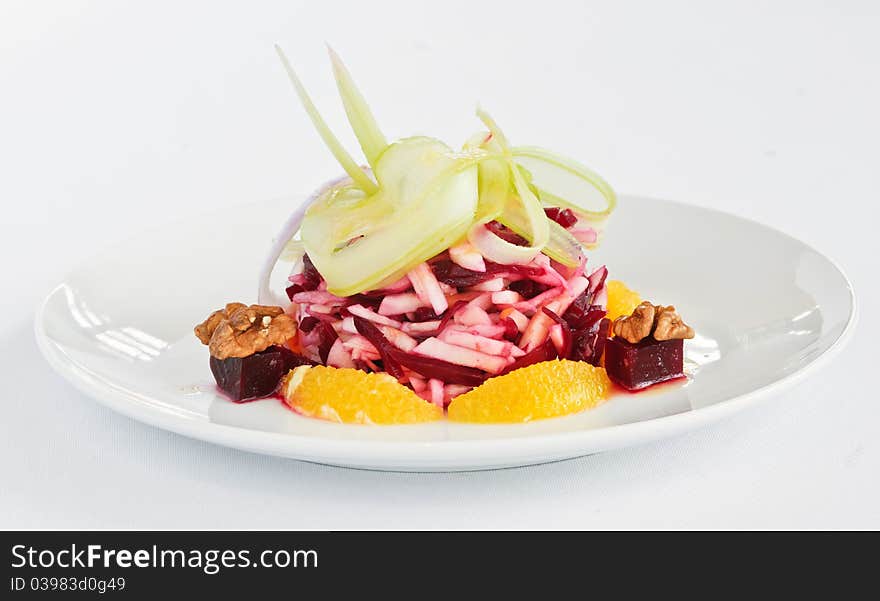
x=615, y=389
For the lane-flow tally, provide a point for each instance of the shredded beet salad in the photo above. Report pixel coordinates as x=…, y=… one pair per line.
x=457, y=319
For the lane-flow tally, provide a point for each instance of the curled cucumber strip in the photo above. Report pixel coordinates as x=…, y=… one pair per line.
x=536, y=225
x=427, y=202
x=562, y=247
x=361, y=118
x=419, y=198
x=353, y=170
x=499, y=250
x=548, y=169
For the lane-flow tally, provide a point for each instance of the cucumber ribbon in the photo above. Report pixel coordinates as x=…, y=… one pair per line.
x=419, y=197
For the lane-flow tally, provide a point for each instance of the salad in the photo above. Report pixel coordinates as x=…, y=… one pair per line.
x=434, y=273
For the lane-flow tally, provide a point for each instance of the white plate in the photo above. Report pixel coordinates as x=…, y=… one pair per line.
x=767, y=309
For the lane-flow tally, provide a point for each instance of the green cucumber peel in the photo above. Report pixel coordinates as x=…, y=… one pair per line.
x=353, y=170
x=538, y=230
x=362, y=121
x=562, y=247
x=421, y=198
x=579, y=171
x=426, y=202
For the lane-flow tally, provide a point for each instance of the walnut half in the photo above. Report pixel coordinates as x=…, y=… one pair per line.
x=647, y=319
x=239, y=330
x=633, y=328
x=669, y=326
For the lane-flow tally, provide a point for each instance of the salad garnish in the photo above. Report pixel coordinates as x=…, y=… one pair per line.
x=439, y=269
x=419, y=196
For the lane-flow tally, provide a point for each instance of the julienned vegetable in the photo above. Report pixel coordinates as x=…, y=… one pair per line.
x=421, y=197
x=425, y=202
x=442, y=268
x=455, y=274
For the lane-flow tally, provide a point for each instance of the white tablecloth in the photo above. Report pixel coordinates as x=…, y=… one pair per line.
x=118, y=116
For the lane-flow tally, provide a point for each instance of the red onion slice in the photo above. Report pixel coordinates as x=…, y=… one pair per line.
x=265, y=295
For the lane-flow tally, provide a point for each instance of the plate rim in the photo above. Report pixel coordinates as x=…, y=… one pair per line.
x=444, y=452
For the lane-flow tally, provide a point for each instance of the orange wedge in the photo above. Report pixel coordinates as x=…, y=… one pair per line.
x=351, y=396
x=546, y=389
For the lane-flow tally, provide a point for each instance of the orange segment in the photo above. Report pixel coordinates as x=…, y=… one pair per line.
x=351, y=396
x=546, y=389
x=621, y=300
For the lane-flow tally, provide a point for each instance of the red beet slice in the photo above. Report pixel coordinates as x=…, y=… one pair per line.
x=545, y=352
x=590, y=343
x=326, y=337
x=637, y=366
x=511, y=330
x=256, y=376
x=597, y=279
x=442, y=370
x=528, y=288
x=393, y=358
x=601, y=341
x=526, y=270
x=367, y=300
x=362, y=365
x=424, y=314
x=588, y=319
x=311, y=277
x=293, y=290
x=308, y=324
x=449, y=314
x=506, y=233
x=565, y=353
x=386, y=350
x=564, y=217
x=457, y=276
x=581, y=314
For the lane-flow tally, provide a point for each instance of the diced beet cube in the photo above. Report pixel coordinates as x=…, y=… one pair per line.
x=255, y=376
x=637, y=366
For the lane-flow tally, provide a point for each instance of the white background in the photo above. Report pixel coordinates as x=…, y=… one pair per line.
x=115, y=116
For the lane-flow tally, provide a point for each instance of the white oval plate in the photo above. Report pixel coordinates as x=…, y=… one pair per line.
x=767, y=309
